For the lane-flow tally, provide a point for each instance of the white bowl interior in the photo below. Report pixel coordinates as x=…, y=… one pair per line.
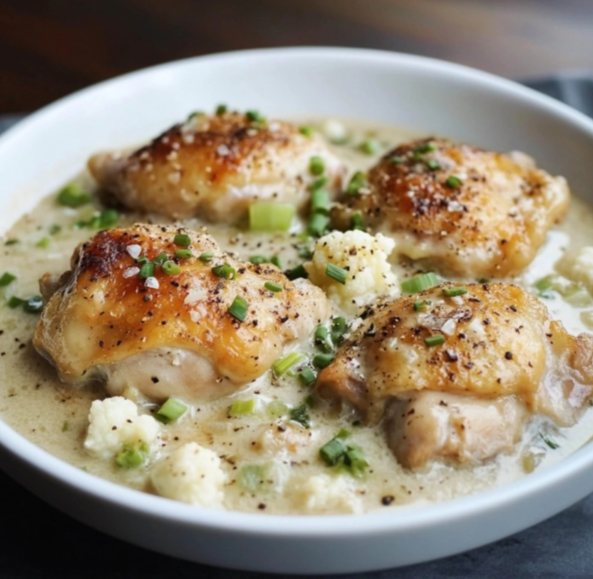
x=52, y=145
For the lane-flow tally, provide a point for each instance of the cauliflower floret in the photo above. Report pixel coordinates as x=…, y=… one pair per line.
x=582, y=268
x=364, y=257
x=322, y=493
x=114, y=423
x=192, y=474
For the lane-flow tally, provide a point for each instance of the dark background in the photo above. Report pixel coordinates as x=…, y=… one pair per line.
x=49, y=48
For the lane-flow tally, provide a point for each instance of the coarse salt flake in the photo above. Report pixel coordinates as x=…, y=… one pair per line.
x=152, y=282
x=133, y=250
x=449, y=327
x=223, y=150
x=131, y=272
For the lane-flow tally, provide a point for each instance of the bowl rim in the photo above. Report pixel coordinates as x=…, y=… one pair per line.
x=311, y=526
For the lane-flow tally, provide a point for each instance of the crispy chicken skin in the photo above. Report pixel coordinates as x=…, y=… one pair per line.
x=500, y=344
x=214, y=167
x=490, y=223
x=169, y=334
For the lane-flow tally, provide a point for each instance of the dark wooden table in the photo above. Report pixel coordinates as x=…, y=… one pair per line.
x=49, y=48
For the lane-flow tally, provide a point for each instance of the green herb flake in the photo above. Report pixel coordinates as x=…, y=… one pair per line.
x=300, y=414
x=73, y=196
x=224, y=271
x=6, y=279
x=182, y=240
x=357, y=182
x=453, y=182
x=132, y=456
x=316, y=165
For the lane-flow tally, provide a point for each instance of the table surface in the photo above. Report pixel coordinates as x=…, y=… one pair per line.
x=49, y=49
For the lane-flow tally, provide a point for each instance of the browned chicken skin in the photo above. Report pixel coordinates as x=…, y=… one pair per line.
x=214, y=167
x=169, y=334
x=461, y=210
x=499, y=345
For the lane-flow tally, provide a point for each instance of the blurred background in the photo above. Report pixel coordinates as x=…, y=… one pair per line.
x=49, y=48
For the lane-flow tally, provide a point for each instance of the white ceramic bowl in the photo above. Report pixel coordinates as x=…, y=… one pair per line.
x=52, y=145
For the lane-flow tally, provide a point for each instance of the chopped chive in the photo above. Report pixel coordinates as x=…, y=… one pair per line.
x=435, y=340
x=276, y=409
x=193, y=115
x=15, y=302
x=451, y=292
x=275, y=260
x=419, y=283
x=107, y=218
x=297, y=272
x=147, y=270
x=300, y=414
x=307, y=131
x=323, y=339
x=551, y=443
x=270, y=216
x=331, y=452
x=11, y=242
x=433, y=164
x=7, y=278
x=318, y=224
x=221, y=109
x=419, y=305
x=132, y=456
x=337, y=273
x=238, y=309
x=357, y=182
x=307, y=377
x=357, y=221
x=171, y=410
x=318, y=183
x=304, y=252
x=321, y=361
x=242, y=407
x=320, y=201
x=396, y=160
x=424, y=148
x=483, y=280
x=170, y=268
x=338, y=329
x=206, y=256
x=225, y=271
x=43, y=243
x=160, y=258
x=316, y=165
x=182, y=239
x=370, y=147
x=453, y=182
x=354, y=461
x=73, y=196
x=183, y=253
x=273, y=287
x=255, y=117
x=54, y=229
x=258, y=259
x=282, y=366
x=33, y=305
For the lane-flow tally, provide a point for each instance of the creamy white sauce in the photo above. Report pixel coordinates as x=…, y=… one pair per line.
x=54, y=416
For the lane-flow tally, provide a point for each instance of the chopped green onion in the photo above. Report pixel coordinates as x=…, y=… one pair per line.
x=318, y=224
x=321, y=361
x=108, y=218
x=354, y=461
x=147, y=270
x=297, y=272
x=183, y=253
x=282, y=366
x=318, y=183
x=300, y=414
x=221, y=109
x=356, y=183
x=338, y=329
x=270, y=216
x=54, y=228
x=305, y=252
x=307, y=377
x=331, y=452
x=451, y=292
x=370, y=147
x=419, y=283
x=33, y=305
x=424, y=148
x=7, y=278
x=483, y=280
x=275, y=260
x=273, y=287
x=238, y=309
x=453, y=182
x=316, y=165
x=258, y=259
x=73, y=196
x=320, y=201
x=242, y=407
x=11, y=242
x=43, y=243
x=276, y=408
x=323, y=339
x=419, y=305
x=171, y=410
x=182, y=239
x=132, y=456
x=160, y=258
x=251, y=477
x=551, y=443
x=396, y=160
x=225, y=271
x=170, y=268
x=206, y=256
x=193, y=115
x=255, y=117
x=435, y=340
x=433, y=164
x=337, y=273
x=357, y=221
x=15, y=302
x=338, y=452
x=307, y=131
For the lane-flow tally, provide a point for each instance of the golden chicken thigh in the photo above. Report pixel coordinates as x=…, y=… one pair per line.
x=214, y=167
x=437, y=365
x=167, y=312
x=461, y=210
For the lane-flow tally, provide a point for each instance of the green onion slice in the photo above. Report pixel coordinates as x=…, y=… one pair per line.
x=206, y=256
x=171, y=410
x=238, y=309
x=338, y=274
x=317, y=224
x=6, y=279
x=316, y=165
x=273, y=287
x=453, y=182
x=307, y=377
x=321, y=361
x=221, y=109
x=132, y=456
x=270, y=216
x=433, y=164
x=370, y=147
x=357, y=182
x=282, y=366
x=33, y=305
x=147, y=270
x=300, y=414
x=170, y=268
x=419, y=283
x=323, y=338
x=243, y=407
x=225, y=271
x=318, y=183
x=435, y=340
x=357, y=222
x=297, y=272
x=307, y=131
x=451, y=292
x=338, y=329
x=160, y=258
x=320, y=201
x=275, y=260
x=183, y=253
x=258, y=259
x=73, y=196
x=182, y=239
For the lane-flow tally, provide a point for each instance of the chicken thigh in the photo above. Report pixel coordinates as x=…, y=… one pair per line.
x=436, y=363
x=214, y=167
x=165, y=311
x=461, y=210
